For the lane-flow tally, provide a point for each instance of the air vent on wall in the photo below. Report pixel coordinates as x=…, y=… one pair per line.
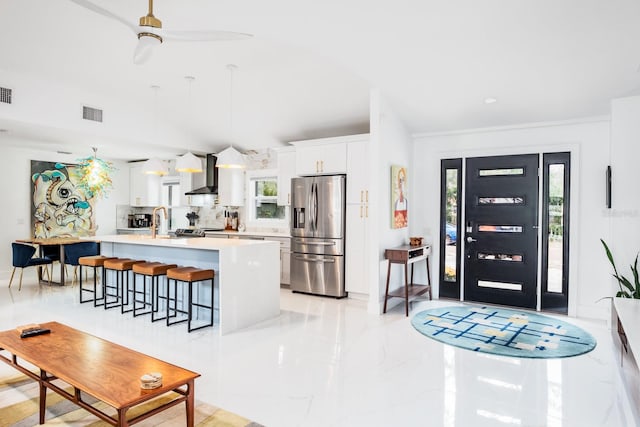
x=93, y=114
x=5, y=95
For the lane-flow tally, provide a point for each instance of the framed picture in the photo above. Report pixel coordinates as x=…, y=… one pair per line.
x=399, y=203
x=59, y=207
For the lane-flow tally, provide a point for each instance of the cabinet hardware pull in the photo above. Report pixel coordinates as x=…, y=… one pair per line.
x=289, y=198
x=366, y=210
x=361, y=196
x=360, y=211
x=321, y=165
x=367, y=196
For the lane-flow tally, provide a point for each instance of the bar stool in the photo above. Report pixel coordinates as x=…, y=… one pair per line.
x=188, y=275
x=154, y=270
x=121, y=267
x=95, y=262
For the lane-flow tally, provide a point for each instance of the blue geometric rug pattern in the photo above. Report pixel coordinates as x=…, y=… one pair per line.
x=503, y=331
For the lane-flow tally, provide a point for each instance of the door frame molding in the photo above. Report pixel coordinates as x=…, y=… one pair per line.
x=574, y=243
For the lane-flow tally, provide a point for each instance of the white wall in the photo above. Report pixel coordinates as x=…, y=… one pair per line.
x=625, y=200
x=390, y=145
x=589, y=143
x=16, y=196
x=57, y=107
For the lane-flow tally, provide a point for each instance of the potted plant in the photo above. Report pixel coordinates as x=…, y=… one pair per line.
x=628, y=289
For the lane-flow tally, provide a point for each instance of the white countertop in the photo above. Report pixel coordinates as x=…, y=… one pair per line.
x=252, y=233
x=177, y=242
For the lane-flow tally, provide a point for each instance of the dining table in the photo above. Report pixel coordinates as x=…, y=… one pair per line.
x=59, y=242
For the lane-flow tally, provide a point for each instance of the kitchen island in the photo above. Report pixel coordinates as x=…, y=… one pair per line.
x=247, y=280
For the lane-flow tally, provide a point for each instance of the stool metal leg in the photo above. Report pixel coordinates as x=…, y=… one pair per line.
x=103, y=298
x=118, y=295
x=199, y=304
x=155, y=300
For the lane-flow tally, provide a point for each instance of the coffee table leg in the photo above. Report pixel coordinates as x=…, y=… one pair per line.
x=122, y=417
x=190, y=403
x=43, y=395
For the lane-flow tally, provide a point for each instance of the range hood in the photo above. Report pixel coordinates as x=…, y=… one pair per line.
x=211, y=183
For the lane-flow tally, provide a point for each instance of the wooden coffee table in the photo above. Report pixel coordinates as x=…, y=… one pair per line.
x=96, y=367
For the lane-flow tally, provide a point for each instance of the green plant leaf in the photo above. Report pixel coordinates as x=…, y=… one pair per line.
x=613, y=264
x=636, y=282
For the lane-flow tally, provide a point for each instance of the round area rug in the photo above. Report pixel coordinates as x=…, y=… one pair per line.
x=503, y=331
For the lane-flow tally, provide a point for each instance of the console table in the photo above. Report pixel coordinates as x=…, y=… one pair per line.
x=407, y=255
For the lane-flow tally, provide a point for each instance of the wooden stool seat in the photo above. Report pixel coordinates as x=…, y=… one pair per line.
x=94, y=260
x=120, y=264
x=152, y=268
x=190, y=274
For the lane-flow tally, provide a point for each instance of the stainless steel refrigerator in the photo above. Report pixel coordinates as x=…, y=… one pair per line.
x=317, y=232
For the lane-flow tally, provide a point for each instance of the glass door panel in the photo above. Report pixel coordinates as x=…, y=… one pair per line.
x=450, y=203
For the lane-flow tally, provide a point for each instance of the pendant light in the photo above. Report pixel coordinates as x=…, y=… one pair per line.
x=188, y=162
x=230, y=157
x=155, y=166
x=94, y=175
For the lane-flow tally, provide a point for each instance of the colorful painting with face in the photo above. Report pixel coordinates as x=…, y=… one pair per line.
x=60, y=208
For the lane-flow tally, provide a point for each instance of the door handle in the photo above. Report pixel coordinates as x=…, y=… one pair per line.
x=316, y=243
x=316, y=259
x=471, y=239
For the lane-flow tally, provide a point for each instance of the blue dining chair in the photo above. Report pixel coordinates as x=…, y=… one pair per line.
x=23, y=258
x=75, y=251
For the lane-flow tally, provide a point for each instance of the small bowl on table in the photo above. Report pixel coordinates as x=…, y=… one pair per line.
x=415, y=241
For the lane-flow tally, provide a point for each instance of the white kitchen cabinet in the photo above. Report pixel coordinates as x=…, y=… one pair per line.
x=144, y=189
x=286, y=171
x=321, y=159
x=356, y=279
x=285, y=258
x=191, y=181
x=357, y=218
x=230, y=187
x=357, y=172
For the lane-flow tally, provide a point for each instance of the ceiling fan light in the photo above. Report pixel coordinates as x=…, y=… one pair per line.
x=230, y=158
x=154, y=166
x=144, y=48
x=189, y=163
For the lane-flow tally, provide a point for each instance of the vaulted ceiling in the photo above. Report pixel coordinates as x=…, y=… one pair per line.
x=308, y=70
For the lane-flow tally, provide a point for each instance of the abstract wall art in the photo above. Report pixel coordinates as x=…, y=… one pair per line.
x=60, y=207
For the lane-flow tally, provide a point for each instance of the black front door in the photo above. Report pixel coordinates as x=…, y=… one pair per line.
x=501, y=230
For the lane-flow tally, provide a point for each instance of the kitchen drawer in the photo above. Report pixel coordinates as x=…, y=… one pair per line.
x=216, y=235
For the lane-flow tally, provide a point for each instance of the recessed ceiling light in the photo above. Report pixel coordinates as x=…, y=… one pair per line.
x=490, y=100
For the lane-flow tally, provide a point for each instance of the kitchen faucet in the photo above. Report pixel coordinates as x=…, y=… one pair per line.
x=154, y=226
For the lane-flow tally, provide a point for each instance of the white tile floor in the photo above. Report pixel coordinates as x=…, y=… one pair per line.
x=326, y=362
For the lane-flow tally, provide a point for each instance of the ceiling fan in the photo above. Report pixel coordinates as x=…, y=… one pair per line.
x=151, y=34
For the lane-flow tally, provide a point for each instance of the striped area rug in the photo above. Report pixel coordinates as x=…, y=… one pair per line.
x=19, y=408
